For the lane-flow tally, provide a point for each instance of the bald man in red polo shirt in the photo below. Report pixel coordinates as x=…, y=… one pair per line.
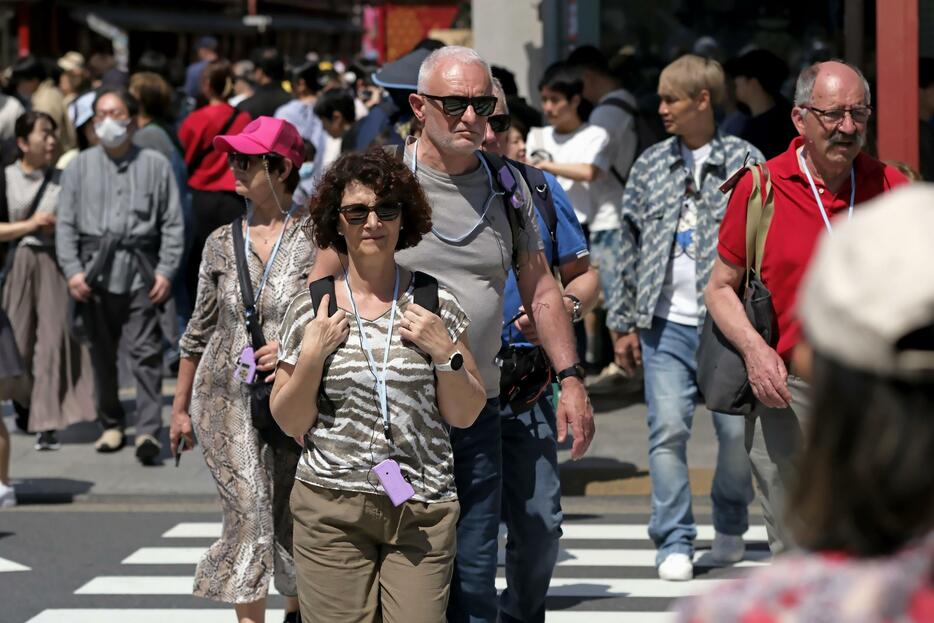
x=816, y=182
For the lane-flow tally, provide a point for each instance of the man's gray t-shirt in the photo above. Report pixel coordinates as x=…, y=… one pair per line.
x=475, y=269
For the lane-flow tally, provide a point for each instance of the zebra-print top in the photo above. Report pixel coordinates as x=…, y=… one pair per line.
x=342, y=447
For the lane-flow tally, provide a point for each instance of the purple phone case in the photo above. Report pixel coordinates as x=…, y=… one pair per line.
x=390, y=476
x=245, y=370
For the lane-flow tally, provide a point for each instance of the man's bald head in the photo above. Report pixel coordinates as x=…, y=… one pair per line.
x=827, y=76
x=442, y=58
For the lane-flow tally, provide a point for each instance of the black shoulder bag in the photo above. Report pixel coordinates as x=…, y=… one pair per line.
x=260, y=413
x=721, y=372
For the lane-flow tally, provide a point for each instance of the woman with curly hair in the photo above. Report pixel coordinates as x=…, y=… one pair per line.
x=374, y=505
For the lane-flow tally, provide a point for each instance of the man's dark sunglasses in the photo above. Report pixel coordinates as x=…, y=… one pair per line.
x=242, y=162
x=358, y=213
x=500, y=123
x=456, y=105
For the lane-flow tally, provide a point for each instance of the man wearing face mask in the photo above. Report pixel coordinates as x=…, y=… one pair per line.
x=815, y=183
x=119, y=241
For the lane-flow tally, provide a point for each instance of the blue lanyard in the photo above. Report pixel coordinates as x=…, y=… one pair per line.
x=370, y=359
x=272, y=256
x=820, y=204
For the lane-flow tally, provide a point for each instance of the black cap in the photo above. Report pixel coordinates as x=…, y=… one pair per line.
x=770, y=70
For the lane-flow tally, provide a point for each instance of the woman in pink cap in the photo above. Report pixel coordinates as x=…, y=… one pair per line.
x=250, y=271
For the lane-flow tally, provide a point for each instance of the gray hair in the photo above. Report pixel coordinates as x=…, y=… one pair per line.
x=449, y=53
x=500, y=94
x=804, y=88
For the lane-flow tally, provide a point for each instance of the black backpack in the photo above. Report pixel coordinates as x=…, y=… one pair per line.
x=648, y=131
x=544, y=204
x=425, y=294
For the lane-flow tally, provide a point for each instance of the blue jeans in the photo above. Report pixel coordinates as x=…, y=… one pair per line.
x=478, y=468
x=669, y=355
x=531, y=510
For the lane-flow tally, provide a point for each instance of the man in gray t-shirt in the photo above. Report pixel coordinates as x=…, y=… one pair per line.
x=470, y=251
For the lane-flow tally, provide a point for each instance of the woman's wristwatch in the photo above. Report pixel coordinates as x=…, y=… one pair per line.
x=453, y=364
x=576, y=309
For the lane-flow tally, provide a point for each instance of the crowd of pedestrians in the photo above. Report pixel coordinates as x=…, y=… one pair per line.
x=381, y=291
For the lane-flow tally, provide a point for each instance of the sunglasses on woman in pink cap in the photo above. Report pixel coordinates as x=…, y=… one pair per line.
x=243, y=162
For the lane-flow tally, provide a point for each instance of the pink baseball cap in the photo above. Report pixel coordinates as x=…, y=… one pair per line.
x=265, y=135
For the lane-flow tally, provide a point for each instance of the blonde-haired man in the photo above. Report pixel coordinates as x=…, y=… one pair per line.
x=672, y=208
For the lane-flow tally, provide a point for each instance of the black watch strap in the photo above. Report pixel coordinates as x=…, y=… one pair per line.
x=575, y=370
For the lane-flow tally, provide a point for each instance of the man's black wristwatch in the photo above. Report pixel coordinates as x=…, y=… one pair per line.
x=575, y=370
x=576, y=315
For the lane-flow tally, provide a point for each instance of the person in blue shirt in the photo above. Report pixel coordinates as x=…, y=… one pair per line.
x=532, y=505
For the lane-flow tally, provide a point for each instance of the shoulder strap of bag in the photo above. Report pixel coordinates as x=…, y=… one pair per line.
x=246, y=287
x=39, y=193
x=425, y=291
x=759, y=210
x=318, y=289
x=505, y=183
x=201, y=155
x=544, y=203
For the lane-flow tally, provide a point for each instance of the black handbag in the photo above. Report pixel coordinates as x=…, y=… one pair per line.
x=721, y=372
x=260, y=413
x=525, y=374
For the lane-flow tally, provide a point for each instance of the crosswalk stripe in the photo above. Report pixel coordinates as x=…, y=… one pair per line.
x=587, y=616
x=622, y=587
x=142, y=615
x=560, y=587
x=9, y=565
x=585, y=531
x=218, y=615
x=142, y=585
x=573, y=557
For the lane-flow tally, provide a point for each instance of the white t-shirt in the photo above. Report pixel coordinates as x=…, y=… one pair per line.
x=621, y=151
x=678, y=299
x=585, y=145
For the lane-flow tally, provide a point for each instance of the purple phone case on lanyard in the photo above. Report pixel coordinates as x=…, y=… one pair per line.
x=390, y=476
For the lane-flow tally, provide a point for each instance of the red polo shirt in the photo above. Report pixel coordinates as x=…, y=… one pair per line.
x=796, y=225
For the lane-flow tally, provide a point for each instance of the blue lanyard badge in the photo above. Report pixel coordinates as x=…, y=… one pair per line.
x=379, y=375
x=272, y=256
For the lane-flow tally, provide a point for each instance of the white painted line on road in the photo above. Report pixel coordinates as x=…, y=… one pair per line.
x=140, y=615
x=165, y=556
x=622, y=587
x=639, y=532
x=8, y=566
x=586, y=616
x=587, y=531
x=574, y=557
x=638, y=558
x=195, y=530
x=217, y=615
x=142, y=585
x=560, y=587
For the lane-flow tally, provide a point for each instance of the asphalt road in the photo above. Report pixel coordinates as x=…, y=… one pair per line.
x=102, y=563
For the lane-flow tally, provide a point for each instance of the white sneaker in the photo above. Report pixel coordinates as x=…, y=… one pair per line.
x=676, y=568
x=7, y=496
x=727, y=549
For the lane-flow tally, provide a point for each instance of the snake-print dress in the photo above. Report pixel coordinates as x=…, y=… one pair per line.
x=253, y=479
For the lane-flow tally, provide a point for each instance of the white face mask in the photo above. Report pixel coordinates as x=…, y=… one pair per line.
x=111, y=133
x=307, y=170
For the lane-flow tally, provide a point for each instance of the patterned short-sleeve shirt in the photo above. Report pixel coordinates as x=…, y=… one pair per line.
x=344, y=445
